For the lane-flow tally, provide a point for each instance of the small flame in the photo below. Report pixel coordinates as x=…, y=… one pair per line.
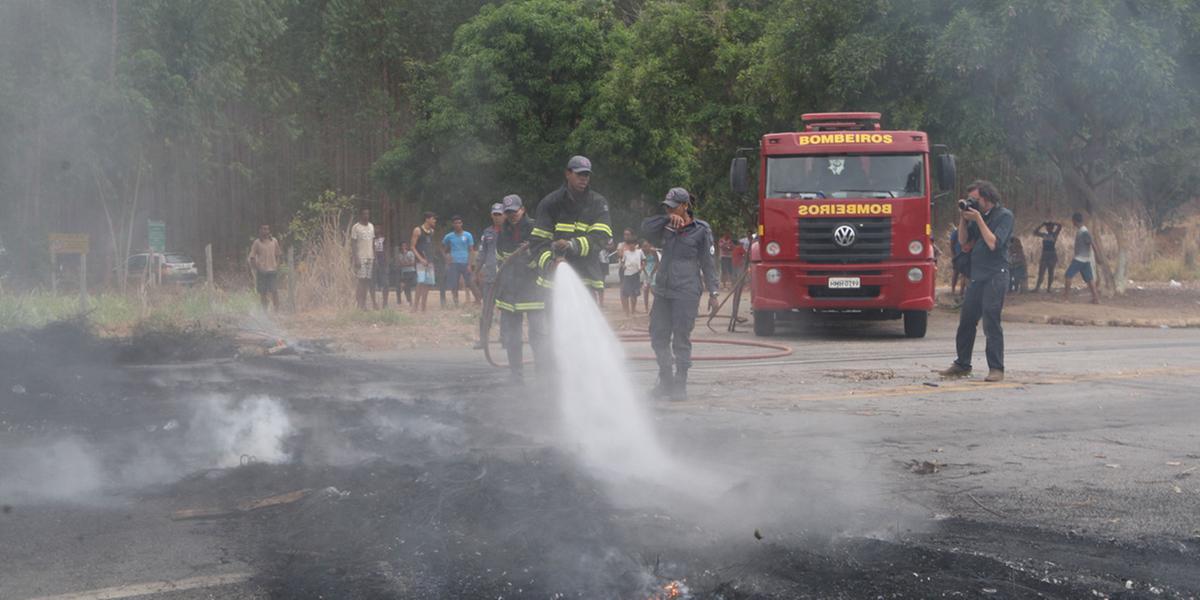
x=674, y=590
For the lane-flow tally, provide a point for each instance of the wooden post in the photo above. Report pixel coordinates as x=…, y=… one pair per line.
x=291, y=280
x=54, y=273
x=208, y=264
x=83, y=293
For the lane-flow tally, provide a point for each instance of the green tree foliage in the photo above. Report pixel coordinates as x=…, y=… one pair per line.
x=673, y=106
x=1094, y=87
x=216, y=116
x=499, y=116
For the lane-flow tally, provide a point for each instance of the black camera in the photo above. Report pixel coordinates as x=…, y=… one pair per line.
x=964, y=204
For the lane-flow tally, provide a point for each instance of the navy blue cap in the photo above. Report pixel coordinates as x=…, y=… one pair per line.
x=512, y=203
x=579, y=164
x=677, y=196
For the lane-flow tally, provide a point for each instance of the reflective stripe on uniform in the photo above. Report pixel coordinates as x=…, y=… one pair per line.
x=542, y=233
x=601, y=227
x=580, y=226
x=545, y=258
x=584, y=246
x=546, y=283
x=594, y=283
x=564, y=227
x=520, y=306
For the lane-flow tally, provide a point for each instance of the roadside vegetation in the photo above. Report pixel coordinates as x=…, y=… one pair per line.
x=114, y=313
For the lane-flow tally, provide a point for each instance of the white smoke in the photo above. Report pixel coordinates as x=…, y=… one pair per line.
x=220, y=432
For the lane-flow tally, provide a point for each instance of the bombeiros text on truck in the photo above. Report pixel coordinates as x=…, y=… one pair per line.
x=844, y=224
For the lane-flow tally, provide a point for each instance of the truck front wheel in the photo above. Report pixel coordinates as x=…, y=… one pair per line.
x=764, y=323
x=915, y=323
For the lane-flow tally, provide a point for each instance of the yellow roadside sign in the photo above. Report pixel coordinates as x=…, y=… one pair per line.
x=69, y=243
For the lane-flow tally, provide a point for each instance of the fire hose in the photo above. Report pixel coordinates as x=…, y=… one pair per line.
x=776, y=350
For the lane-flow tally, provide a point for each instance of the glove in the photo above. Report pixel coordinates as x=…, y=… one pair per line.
x=566, y=247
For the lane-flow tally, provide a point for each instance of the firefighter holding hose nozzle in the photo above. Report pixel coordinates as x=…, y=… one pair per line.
x=573, y=225
x=518, y=295
x=686, y=270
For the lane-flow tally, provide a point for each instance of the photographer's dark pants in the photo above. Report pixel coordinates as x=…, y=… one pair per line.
x=671, y=323
x=984, y=299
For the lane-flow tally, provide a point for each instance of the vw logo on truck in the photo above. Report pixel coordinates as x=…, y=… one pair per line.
x=844, y=235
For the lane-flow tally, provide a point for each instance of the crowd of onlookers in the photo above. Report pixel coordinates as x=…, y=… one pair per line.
x=457, y=260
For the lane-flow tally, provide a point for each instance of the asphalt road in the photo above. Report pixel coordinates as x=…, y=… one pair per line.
x=1093, y=437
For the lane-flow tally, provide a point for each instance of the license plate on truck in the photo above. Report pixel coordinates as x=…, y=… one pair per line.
x=845, y=283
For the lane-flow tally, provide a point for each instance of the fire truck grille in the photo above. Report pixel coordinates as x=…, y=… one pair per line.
x=872, y=240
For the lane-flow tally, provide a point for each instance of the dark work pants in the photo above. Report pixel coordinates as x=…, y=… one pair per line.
x=1046, y=267
x=984, y=299
x=671, y=323
x=511, y=337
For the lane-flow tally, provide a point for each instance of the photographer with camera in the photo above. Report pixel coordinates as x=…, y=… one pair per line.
x=988, y=228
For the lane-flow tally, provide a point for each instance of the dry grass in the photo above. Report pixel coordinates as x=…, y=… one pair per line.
x=324, y=275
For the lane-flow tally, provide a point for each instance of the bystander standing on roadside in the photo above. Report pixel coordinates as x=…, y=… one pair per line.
x=362, y=256
x=960, y=263
x=607, y=255
x=1083, y=262
x=1048, y=232
x=1017, y=267
x=406, y=272
x=380, y=279
x=459, y=246
x=422, y=244
x=264, y=264
x=741, y=250
x=487, y=265
x=988, y=228
x=633, y=262
x=725, y=251
x=652, y=261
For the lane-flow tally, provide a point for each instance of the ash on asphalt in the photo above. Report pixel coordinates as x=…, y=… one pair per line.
x=422, y=496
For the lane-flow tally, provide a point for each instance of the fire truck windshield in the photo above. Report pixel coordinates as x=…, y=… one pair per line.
x=846, y=176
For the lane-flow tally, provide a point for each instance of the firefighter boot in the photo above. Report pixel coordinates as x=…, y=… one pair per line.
x=679, y=392
x=665, y=385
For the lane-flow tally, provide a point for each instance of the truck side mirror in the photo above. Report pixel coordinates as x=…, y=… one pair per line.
x=947, y=172
x=738, y=174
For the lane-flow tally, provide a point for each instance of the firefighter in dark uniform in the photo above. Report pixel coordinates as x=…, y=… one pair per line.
x=573, y=224
x=518, y=295
x=686, y=270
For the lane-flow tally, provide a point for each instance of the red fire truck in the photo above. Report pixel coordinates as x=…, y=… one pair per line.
x=844, y=221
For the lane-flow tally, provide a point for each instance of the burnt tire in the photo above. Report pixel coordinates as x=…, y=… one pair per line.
x=915, y=323
x=764, y=323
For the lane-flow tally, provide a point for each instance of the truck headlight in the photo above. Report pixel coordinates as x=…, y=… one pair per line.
x=915, y=247
x=773, y=248
x=773, y=275
x=915, y=274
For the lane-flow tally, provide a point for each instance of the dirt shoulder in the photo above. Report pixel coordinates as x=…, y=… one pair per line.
x=1146, y=305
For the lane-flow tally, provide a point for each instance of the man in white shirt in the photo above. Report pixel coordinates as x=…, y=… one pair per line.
x=362, y=255
x=1084, y=261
